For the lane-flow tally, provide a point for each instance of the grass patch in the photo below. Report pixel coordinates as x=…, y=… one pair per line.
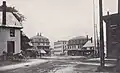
x=3, y=63
x=105, y=69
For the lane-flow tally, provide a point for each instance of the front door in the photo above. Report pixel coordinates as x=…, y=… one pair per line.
x=10, y=46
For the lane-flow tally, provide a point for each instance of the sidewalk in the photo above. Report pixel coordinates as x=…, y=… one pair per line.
x=96, y=64
x=99, y=59
x=96, y=61
x=31, y=62
x=63, y=57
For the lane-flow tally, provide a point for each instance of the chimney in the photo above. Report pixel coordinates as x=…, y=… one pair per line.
x=40, y=34
x=87, y=37
x=118, y=6
x=4, y=13
x=91, y=40
x=108, y=13
x=37, y=34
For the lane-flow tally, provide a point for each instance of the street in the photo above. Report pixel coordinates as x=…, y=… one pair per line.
x=57, y=66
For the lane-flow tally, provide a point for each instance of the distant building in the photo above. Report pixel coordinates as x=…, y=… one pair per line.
x=75, y=45
x=60, y=47
x=10, y=28
x=41, y=43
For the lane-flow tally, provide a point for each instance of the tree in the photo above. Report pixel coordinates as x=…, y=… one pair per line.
x=20, y=17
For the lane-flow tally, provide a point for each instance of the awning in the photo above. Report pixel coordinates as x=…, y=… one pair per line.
x=30, y=43
x=89, y=44
x=42, y=51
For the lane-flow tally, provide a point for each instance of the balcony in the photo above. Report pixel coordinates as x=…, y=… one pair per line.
x=74, y=49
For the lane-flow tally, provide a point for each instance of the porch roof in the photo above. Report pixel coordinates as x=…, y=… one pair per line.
x=89, y=44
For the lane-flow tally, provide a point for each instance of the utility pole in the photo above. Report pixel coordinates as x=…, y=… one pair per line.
x=94, y=28
x=101, y=35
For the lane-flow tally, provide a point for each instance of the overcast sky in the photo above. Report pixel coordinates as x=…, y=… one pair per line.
x=60, y=19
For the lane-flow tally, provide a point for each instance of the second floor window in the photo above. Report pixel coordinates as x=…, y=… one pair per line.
x=12, y=32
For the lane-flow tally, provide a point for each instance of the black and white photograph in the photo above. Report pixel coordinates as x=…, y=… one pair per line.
x=59, y=36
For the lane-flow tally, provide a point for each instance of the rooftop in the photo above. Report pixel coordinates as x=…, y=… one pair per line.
x=114, y=18
x=39, y=38
x=78, y=37
x=89, y=44
x=11, y=21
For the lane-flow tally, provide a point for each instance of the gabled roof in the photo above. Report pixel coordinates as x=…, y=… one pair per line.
x=14, y=12
x=78, y=37
x=89, y=44
x=38, y=37
x=11, y=21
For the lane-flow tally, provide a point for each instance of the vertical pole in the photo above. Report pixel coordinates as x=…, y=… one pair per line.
x=4, y=13
x=97, y=43
x=107, y=36
x=101, y=35
x=94, y=27
x=118, y=6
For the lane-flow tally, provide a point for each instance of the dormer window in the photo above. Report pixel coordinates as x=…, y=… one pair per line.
x=12, y=32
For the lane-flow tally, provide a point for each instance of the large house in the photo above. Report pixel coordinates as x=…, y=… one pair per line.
x=10, y=28
x=41, y=43
x=75, y=46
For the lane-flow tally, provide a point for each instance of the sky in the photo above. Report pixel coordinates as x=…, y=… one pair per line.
x=60, y=19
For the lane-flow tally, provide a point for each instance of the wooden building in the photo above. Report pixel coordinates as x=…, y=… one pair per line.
x=41, y=43
x=10, y=28
x=75, y=46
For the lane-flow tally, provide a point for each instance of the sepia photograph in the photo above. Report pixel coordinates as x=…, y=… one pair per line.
x=59, y=36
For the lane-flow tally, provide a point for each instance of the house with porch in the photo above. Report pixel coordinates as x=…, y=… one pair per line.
x=76, y=46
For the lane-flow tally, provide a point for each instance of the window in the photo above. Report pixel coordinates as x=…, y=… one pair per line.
x=47, y=43
x=12, y=32
x=38, y=43
x=35, y=44
x=77, y=46
x=43, y=43
x=39, y=40
x=74, y=46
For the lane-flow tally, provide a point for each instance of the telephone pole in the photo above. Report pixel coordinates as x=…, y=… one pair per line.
x=101, y=35
x=94, y=27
